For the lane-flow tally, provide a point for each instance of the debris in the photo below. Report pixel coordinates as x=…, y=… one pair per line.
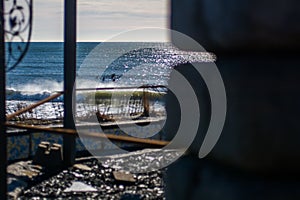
x=131, y=197
x=48, y=155
x=100, y=176
x=123, y=176
x=80, y=187
x=82, y=167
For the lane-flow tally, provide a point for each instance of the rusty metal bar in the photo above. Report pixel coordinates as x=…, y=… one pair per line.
x=72, y=132
x=3, y=141
x=122, y=88
x=30, y=107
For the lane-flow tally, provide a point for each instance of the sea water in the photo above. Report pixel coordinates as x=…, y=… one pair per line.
x=99, y=65
x=129, y=64
x=41, y=71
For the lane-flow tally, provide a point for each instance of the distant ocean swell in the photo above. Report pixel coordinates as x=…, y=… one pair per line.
x=41, y=89
x=41, y=72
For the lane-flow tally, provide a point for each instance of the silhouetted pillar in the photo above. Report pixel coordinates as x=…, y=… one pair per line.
x=3, y=142
x=69, y=150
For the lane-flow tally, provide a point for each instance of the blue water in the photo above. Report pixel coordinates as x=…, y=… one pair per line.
x=98, y=65
x=41, y=70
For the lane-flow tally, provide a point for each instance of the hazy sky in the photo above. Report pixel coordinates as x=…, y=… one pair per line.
x=99, y=20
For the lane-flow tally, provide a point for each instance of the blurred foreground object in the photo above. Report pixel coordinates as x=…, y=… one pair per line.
x=234, y=26
x=257, y=155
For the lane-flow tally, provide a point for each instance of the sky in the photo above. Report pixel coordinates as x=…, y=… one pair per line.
x=100, y=20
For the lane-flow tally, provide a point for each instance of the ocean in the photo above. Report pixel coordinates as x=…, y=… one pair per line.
x=99, y=65
x=114, y=64
x=41, y=71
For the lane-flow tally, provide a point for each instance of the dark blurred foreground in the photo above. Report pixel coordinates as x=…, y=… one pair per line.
x=257, y=46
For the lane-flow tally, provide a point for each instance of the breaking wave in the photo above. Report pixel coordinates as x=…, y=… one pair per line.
x=36, y=90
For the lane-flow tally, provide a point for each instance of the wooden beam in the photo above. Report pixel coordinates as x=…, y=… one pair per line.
x=72, y=132
x=122, y=88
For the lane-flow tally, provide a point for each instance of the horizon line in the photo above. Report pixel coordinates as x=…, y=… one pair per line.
x=95, y=41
